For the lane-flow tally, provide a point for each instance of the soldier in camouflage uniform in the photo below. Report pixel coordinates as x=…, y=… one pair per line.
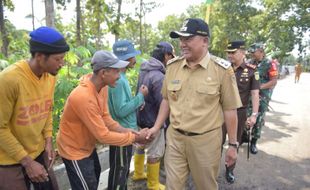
x=268, y=79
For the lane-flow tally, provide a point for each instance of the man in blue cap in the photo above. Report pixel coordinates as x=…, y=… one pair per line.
x=27, y=91
x=123, y=107
x=152, y=73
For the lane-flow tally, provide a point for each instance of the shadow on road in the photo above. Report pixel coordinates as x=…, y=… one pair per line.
x=267, y=172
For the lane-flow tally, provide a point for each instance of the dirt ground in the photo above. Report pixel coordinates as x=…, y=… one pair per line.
x=283, y=160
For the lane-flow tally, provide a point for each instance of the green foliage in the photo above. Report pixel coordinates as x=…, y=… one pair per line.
x=78, y=64
x=9, y=5
x=3, y=63
x=18, y=43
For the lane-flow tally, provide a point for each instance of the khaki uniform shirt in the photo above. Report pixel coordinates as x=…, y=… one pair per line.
x=197, y=97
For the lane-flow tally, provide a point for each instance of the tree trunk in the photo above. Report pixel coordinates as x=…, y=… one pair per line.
x=32, y=15
x=78, y=22
x=49, y=13
x=140, y=19
x=118, y=19
x=4, y=37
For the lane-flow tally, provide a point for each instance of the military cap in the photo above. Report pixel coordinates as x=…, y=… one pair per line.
x=255, y=47
x=234, y=45
x=190, y=27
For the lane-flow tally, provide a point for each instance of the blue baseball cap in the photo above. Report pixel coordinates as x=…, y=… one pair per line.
x=124, y=50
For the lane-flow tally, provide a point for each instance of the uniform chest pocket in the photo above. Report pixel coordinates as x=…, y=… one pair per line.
x=206, y=89
x=174, y=91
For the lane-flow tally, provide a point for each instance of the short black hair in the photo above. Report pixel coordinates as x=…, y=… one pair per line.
x=159, y=53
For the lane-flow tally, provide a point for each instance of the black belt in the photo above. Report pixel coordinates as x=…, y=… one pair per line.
x=186, y=133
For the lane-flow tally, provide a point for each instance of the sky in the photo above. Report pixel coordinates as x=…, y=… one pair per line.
x=23, y=8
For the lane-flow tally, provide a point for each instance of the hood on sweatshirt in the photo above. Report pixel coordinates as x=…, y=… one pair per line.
x=153, y=64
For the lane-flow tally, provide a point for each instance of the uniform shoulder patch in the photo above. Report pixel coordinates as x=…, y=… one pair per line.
x=251, y=65
x=222, y=62
x=174, y=60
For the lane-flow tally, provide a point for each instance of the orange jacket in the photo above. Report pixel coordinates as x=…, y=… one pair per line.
x=85, y=121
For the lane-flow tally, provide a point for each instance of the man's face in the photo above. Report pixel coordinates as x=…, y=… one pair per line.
x=132, y=62
x=193, y=47
x=52, y=63
x=168, y=56
x=257, y=54
x=111, y=75
x=236, y=57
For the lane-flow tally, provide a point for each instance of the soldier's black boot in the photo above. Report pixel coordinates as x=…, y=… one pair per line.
x=253, y=148
x=229, y=174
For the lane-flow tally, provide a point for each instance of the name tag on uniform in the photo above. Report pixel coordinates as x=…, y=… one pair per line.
x=175, y=82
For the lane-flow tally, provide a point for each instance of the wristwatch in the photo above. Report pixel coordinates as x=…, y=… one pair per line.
x=235, y=145
x=255, y=114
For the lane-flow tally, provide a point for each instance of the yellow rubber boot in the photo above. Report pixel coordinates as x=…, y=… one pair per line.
x=139, y=173
x=153, y=177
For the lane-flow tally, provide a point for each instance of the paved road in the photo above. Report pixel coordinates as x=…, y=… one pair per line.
x=283, y=161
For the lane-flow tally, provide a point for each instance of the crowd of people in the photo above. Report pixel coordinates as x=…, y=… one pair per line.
x=184, y=108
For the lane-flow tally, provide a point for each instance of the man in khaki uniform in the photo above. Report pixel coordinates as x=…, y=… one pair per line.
x=200, y=93
x=298, y=70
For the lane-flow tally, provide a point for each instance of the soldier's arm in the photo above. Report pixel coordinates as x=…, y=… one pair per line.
x=270, y=84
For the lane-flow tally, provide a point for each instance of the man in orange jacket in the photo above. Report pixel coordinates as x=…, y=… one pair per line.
x=86, y=121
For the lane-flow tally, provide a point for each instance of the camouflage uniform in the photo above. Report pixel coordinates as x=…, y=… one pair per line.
x=266, y=70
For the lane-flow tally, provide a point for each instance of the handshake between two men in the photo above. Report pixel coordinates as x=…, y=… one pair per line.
x=142, y=137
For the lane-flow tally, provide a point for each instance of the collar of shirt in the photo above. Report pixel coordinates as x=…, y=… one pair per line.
x=242, y=66
x=203, y=62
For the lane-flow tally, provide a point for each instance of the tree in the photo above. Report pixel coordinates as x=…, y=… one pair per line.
x=32, y=15
x=144, y=8
x=4, y=34
x=49, y=13
x=78, y=22
x=115, y=30
x=97, y=14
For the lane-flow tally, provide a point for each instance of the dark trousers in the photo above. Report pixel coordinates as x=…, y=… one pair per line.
x=15, y=177
x=84, y=174
x=120, y=158
x=242, y=116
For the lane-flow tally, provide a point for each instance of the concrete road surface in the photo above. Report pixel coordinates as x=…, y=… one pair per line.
x=283, y=160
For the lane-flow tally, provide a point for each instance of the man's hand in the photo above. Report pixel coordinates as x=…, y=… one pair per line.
x=142, y=106
x=144, y=90
x=152, y=133
x=141, y=138
x=35, y=171
x=231, y=156
x=49, y=150
x=250, y=122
